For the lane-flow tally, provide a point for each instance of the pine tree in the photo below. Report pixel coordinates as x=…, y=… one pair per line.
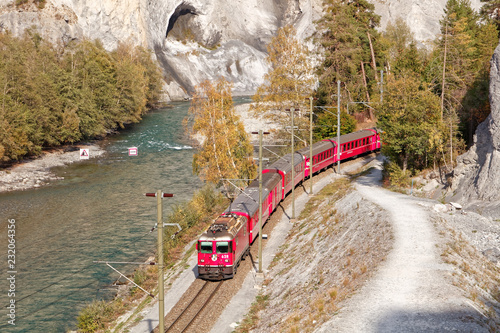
x=408, y=117
x=348, y=38
x=469, y=43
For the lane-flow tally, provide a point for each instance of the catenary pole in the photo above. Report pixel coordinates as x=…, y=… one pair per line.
x=260, y=201
x=311, y=165
x=293, y=167
x=338, y=126
x=159, y=207
x=260, y=132
x=381, y=86
x=161, y=303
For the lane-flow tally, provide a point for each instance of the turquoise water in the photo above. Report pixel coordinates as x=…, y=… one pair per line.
x=98, y=212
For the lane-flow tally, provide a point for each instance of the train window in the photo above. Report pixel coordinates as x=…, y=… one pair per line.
x=205, y=247
x=223, y=247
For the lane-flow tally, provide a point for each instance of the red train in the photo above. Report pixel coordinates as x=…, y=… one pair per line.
x=222, y=246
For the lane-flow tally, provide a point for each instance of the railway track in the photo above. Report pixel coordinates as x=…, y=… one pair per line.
x=194, y=302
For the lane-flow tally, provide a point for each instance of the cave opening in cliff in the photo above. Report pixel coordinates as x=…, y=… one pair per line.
x=178, y=24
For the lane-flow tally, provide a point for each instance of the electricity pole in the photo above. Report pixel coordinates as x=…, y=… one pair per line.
x=159, y=206
x=338, y=127
x=260, y=197
x=381, y=86
x=311, y=165
x=292, y=219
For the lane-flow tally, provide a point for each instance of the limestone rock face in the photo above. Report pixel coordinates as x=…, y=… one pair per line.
x=477, y=175
x=196, y=40
x=422, y=16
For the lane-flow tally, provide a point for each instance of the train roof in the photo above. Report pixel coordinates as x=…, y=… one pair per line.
x=318, y=147
x=365, y=133
x=248, y=201
x=223, y=228
x=285, y=163
x=326, y=144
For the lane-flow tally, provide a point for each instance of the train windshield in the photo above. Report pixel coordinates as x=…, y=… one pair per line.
x=223, y=247
x=205, y=247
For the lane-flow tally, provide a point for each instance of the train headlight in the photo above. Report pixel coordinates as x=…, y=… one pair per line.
x=202, y=260
x=226, y=260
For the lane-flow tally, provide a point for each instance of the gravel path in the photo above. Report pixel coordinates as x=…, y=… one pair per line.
x=409, y=293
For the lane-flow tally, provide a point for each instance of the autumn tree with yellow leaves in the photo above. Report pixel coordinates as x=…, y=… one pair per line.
x=287, y=85
x=226, y=152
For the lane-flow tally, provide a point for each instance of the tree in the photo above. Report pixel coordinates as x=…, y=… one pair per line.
x=50, y=96
x=408, y=116
x=226, y=150
x=468, y=43
x=326, y=125
x=290, y=81
x=349, y=41
x=491, y=10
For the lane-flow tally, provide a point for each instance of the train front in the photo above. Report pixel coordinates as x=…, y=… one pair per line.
x=216, y=252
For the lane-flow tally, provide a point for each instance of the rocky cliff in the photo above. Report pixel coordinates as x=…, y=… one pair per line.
x=422, y=16
x=193, y=39
x=477, y=175
x=198, y=39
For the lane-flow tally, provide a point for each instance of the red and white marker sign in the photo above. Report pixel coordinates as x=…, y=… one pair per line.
x=132, y=151
x=84, y=154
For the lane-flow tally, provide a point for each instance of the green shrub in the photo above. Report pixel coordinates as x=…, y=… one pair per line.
x=395, y=176
x=93, y=317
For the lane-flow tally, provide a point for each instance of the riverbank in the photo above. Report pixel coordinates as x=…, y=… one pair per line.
x=35, y=172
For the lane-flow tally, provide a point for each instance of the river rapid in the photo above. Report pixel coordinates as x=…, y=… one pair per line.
x=97, y=212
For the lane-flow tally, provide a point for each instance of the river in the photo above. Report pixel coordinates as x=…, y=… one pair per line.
x=97, y=212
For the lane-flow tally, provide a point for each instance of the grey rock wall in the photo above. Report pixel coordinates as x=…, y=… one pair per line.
x=422, y=16
x=225, y=38
x=477, y=175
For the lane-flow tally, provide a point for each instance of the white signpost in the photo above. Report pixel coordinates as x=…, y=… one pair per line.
x=84, y=154
x=132, y=151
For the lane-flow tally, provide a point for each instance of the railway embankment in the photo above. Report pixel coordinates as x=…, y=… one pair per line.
x=364, y=259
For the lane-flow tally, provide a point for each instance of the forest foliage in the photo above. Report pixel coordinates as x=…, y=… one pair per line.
x=51, y=96
x=434, y=94
x=226, y=152
x=289, y=82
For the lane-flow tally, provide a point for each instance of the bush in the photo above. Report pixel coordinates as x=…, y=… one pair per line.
x=394, y=175
x=94, y=316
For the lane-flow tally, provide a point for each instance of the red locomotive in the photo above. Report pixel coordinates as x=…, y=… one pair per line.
x=222, y=246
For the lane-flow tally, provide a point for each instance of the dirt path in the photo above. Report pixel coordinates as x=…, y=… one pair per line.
x=410, y=292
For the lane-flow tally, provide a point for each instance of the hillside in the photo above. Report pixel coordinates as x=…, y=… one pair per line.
x=388, y=261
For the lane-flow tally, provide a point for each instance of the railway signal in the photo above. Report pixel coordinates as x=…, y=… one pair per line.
x=161, y=305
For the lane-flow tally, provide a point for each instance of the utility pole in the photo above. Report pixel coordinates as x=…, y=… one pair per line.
x=292, y=219
x=338, y=127
x=260, y=197
x=444, y=71
x=159, y=206
x=311, y=161
x=381, y=86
